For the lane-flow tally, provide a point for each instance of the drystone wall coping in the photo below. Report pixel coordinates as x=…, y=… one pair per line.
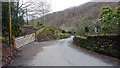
x=21, y=41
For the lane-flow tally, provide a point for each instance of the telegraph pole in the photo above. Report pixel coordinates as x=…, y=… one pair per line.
x=10, y=39
x=9, y=22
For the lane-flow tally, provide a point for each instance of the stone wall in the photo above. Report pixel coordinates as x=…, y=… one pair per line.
x=107, y=45
x=21, y=41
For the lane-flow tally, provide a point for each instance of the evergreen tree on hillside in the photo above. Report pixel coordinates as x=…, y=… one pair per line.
x=16, y=18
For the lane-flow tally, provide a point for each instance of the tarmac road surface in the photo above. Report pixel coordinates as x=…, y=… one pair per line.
x=58, y=53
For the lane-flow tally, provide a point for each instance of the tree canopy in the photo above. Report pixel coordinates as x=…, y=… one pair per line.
x=111, y=16
x=16, y=18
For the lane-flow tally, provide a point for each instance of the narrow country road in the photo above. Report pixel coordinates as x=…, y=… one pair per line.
x=57, y=53
x=27, y=30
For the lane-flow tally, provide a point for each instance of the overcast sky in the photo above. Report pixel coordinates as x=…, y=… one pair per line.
x=58, y=5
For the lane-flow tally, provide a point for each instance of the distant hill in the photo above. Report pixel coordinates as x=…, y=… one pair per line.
x=75, y=17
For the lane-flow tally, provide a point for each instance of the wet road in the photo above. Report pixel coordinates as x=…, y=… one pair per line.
x=57, y=53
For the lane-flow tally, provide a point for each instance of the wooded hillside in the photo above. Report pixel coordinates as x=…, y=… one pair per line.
x=74, y=17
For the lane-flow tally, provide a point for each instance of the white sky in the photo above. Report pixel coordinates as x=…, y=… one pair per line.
x=58, y=5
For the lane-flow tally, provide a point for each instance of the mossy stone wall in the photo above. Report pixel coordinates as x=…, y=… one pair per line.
x=107, y=45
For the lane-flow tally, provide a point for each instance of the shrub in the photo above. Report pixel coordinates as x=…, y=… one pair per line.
x=49, y=29
x=1, y=37
x=104, y=29
x=70, y=32
x=80, y=32
x=17, y=33
x=111, y=16
x=63, y=31
x=86, y=29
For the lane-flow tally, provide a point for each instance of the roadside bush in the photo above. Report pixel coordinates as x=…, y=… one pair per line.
x=1, y=38
x=40, y=37
x=17, y=33
x=51, y=29
x=86, y=29
x=104, y=30
x=70, y=32
x=80, y=32
x=63, y=31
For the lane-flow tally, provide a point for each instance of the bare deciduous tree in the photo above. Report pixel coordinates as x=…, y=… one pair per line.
x=36, y=8
x=44, y=8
